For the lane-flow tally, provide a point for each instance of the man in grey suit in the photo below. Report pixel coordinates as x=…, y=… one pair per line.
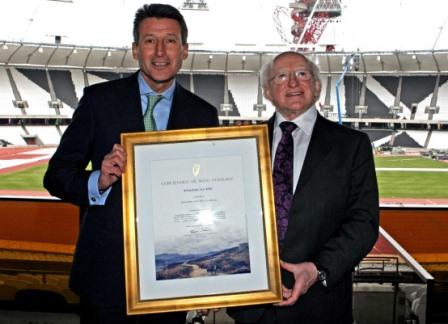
x=150, y=99
x=326, y=200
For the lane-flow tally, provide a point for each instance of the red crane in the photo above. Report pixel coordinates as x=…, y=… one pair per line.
x=310, y=17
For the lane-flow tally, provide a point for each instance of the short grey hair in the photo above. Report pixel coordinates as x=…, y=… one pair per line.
x=266, y=69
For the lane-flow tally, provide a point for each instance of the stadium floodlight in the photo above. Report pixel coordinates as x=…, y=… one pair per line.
x=209, y=61
x=55, y=104
x=20, y=104
x=326, y=109
x=360, y=110
x=243, y=62
x=226, y=108
x=432, y=109
x=259, y=107
x=395, y=110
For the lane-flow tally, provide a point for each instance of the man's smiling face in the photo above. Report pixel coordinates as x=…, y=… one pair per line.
x=160, y=51
x=291, y=87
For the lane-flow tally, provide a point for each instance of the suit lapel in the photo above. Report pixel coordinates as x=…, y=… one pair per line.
x=130, y=109
x=271, y=123
x=319, y=147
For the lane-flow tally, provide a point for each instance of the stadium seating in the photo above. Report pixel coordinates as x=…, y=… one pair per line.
x=12, y=134
x=210, y=87
x=6, y=96
x=439, y=140
x=49, y=135
x=36, y=97
x=244, y=88
x=68, y=85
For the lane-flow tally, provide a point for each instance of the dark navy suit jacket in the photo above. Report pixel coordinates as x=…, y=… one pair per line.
x=333, y=222
x=105, y=111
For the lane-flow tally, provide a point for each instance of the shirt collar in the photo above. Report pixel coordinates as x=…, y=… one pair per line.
x=144, y=88
x=305, y=121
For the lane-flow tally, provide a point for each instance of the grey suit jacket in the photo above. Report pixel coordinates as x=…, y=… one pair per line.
x=333, y=222
x=105, y=111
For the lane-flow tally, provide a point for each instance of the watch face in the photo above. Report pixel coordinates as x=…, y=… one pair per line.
x=321, y=275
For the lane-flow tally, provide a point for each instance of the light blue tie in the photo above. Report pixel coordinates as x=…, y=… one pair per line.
x=148, y=117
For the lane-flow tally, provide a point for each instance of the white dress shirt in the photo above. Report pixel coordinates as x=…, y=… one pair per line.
x=301, y=136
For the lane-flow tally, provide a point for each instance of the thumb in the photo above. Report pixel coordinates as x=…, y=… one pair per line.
x=287, y=266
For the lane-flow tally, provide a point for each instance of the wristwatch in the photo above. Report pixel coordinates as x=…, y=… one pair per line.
x=322, y=277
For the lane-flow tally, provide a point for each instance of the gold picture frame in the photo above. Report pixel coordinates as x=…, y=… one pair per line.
x=199, y=220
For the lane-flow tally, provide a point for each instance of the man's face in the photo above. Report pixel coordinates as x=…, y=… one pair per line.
x=292, y=88
x=159, y=51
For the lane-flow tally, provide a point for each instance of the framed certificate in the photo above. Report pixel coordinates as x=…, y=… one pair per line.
x=199, y=220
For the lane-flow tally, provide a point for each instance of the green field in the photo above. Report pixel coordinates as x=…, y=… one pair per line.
x=392, y=184
x=27, y=179
x=409, y=184
x=408, y=162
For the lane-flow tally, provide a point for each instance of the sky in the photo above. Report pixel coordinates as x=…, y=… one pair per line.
x=367, y=25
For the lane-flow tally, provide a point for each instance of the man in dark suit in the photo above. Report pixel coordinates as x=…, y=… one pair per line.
x=327, y=205
x=105, y=111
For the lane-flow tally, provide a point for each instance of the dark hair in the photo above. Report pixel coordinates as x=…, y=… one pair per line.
x=157, y=10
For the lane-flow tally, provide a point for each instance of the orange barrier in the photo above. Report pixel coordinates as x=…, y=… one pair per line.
x=40, y=221
x=421, y=231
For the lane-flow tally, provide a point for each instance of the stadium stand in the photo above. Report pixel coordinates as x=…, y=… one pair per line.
x=49, y=135
x=12, y=134
x=64, y=88
x=6, y=96
x=33, y=86
x=36, y=97
x=78, y=82
x=210, y=87
x=244, y=89
x=109, y=75
x=333, y=98
x=184, y=80
x=377, y=97
x=377, y=134
x=439, y=140
x=419, y=136
x=93, y=79
x=443, y=101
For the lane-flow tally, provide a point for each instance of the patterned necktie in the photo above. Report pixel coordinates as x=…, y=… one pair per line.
x=148, y=117
x=283, y=177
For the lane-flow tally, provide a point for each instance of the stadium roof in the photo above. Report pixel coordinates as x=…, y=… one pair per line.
x=394, y=35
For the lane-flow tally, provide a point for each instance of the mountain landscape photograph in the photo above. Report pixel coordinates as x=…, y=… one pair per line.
x=229, y=261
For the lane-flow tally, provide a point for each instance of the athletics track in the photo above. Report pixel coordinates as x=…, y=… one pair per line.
x=19, y=158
